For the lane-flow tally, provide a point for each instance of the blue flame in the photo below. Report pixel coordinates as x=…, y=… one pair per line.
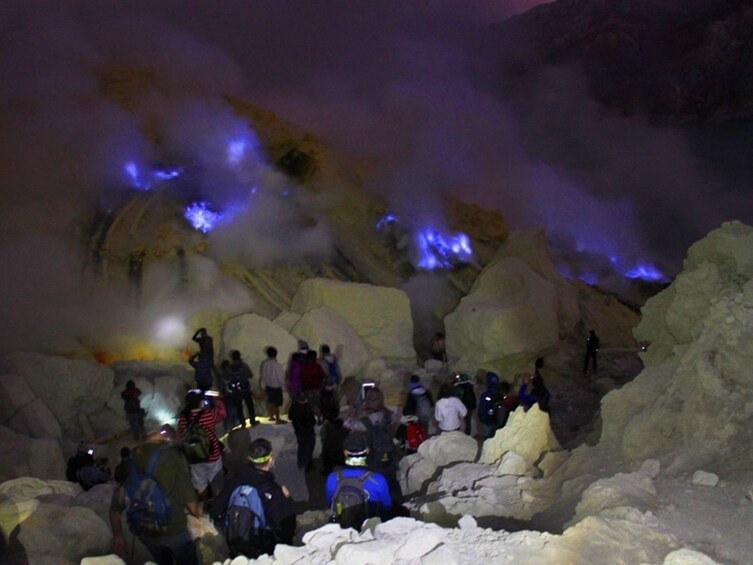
x=133, y=173
x=144, y=181
x=437, y=251
x=163, y=172
x=387, y=220
x=201, y=217
x=646, y=272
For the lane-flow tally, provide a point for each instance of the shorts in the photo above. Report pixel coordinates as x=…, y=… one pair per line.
x=274, y=395
x=203, y=473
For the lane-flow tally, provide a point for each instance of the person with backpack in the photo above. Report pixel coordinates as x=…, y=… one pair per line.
x=96, y=474
x=196, y=430
x=449, y=410
x=330, y=400
x=487, y=403
x=155, y=495
x=254, y=512
x=231, y=396
x=534, y=391
x=419, y=403
x=506, y=404
x=355, y=493
x=134, y=412
x=464, y=390
x=380, y=425
x=272, y=377
x=414, y=434
x=239, y=375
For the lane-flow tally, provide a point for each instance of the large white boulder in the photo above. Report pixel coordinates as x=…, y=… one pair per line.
x=15, y=392
x=691, y=405
x=21, y=455
x=527, y=433
x=436, y=452
x=251, y=334
x=67, y=533
x=381, y=316
x=68, y=387
x=36, y=420
x=325, y=325
x=533, y=248
x=634, y=490
x=511, y=311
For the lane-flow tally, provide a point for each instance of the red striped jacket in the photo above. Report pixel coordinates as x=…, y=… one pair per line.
x=208, y=420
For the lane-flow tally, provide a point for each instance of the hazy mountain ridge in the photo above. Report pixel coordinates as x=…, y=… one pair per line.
x=672, y=60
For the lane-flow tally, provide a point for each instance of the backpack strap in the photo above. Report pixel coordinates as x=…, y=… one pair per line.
x=153, y=462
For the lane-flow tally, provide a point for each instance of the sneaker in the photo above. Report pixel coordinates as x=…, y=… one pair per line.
x=281, y=421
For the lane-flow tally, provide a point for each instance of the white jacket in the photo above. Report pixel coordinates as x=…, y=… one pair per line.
x=449, y=413
x=272, y=374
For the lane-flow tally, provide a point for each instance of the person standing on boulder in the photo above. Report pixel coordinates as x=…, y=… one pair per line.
x=592, y=348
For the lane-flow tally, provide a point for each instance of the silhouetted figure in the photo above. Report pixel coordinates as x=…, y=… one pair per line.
x=206, y=344
x=533, y=391
x=240, y=373
x=180, y=253
x=134, y=412
x=465, y=391
x=592, y=348
x=302, y=416
x=438, y=350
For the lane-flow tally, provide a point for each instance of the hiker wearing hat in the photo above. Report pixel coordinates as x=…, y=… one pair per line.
x=279, y=515
x=356, y=486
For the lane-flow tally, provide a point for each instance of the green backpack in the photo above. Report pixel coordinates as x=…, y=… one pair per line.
x=196, y=443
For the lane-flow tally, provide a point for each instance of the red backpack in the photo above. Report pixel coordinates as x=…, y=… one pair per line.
x=415, y=435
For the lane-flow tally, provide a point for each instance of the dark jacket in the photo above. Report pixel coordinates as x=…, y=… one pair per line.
x=486, y=413
x=301, y=414
x=416, y=392
x=278, y=508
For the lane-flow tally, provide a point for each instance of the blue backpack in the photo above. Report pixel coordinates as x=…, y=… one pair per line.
x=246, y=529
x=333, y=372
x=147, y=507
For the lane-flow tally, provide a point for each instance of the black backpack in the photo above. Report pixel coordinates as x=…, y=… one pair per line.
x=382, y=452
x=196, y=443
x=350, y=501
x=147, y=506
x=246, y=529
